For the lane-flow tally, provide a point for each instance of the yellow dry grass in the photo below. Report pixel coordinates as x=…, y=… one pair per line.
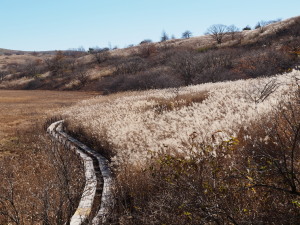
x=18, y=59
x=20, y=109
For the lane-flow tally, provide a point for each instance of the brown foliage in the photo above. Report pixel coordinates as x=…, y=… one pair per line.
x=42, y=185
x=239, y=181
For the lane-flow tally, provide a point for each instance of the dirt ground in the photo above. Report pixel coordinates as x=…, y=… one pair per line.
x=20, y=109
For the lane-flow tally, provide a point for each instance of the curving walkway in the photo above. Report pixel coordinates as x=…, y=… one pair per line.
x=87, y=155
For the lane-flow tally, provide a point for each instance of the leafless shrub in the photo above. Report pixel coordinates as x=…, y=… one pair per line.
x=131, y=65
x=75, y=52
x=252, y=178
x=261, y=92
x=261, y=25
x=41, y=186
x=217, y=32
x=275, y=158
x=268, y=62
x=13, y=67
x=216, y=65
x=271, y=161
x=232, y=30
x=57, y=64
x=32, y=68
x=147, y=49
x=82, y=74
x=100, y=55
x=200, y=67
x=186, y=64
x=71, y=63
x=139, y=81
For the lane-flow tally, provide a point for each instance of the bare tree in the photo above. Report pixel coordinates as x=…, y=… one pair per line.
x=82, y=74
x=262, y=26
x=56, y=64
x=130, y=66
x=100, y=54
x=32, y=68
x=262, y=91
x=164, y=37
x=187, y=34
x=232, y=31
x=217, y=32
x=75, y=52
x=72, y=63
x=187, y=65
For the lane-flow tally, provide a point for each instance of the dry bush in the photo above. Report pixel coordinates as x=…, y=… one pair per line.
x=130, y=65
x=291, y=31
x=140, y=81
x=41, y=185
x=187, y=65
x=175, y=190
x=250, y=179
x=226, y=108
x=56, y=64
x=196, y=67
x=81, y=72
x=32, y=68
x=258, y=63
x=162, y=105
x=12, y=67
x=271, y=162
x=100, y=55
x=61, y=64
x=172, y=167
x=147, y=49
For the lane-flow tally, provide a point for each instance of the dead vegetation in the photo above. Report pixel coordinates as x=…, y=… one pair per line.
x=247, y=178
x=162, y=105
x=21, y=109
x=41, y=182
x=267, y=50
x=252, y=179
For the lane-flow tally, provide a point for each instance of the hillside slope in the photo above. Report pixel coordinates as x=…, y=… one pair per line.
x=179, y=152
x=264, y=51
x=165, y=119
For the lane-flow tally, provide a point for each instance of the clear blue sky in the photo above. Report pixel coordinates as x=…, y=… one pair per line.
x=63, y=24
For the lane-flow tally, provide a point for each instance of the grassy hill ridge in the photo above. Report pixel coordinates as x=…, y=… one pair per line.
x=265, y=51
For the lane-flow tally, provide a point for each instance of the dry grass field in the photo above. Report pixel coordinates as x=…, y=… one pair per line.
x=222, y=143
x=21, y=109
x=28, y=165
x=217, y=119
x=264, y=51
